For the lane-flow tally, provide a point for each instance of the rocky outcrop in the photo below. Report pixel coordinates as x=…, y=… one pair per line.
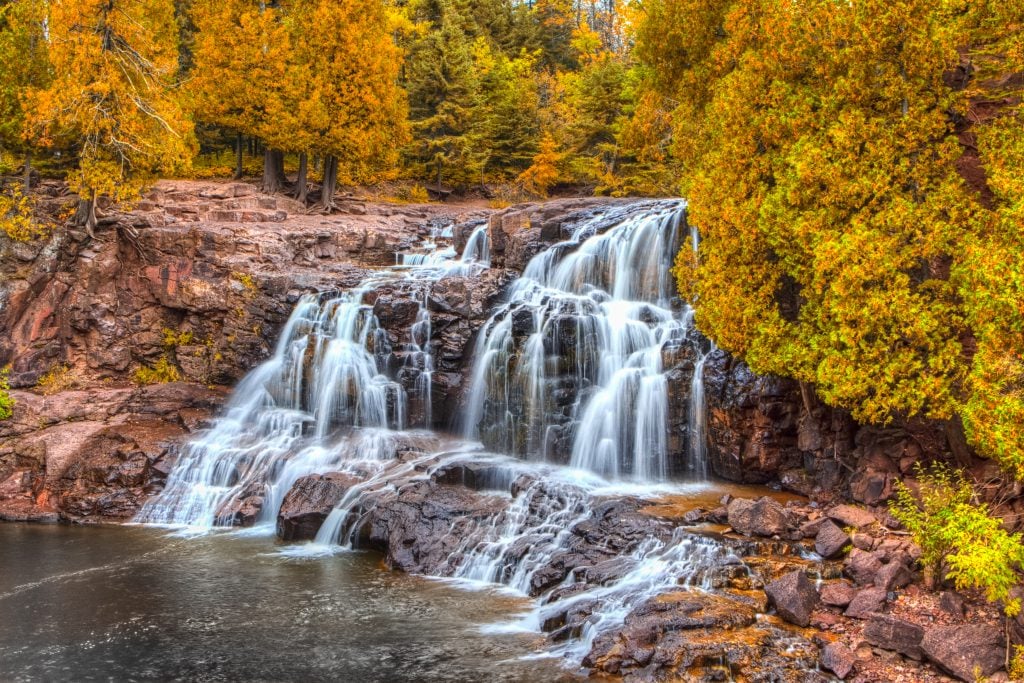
x=769, y=430
x=308, y=503
x=96, y=454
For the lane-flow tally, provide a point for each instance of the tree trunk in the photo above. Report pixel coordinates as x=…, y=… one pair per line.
x=330, y=183
x=28, y=172
x=239, y=150
x=273, y=171
x=85, y=216
x=301, y=186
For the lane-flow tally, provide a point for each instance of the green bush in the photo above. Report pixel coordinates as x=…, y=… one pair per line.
x=6, y=402
x=960, y=535
x=163, y=371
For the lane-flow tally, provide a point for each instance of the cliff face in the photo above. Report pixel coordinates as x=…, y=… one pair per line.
x=204, y=276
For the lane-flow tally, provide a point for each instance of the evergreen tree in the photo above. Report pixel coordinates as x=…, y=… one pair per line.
x=115, y=64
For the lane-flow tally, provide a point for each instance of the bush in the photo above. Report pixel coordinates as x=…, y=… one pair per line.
x=960, y=535
x=6, y=402
x=163, y=371
x=17, y=217
x=59, y=378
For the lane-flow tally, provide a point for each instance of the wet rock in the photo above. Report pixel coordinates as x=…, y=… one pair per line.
x=838, y=659
x=762, y=517
x=308, y=502
x=862, y=566
x=965, y=651
x=830, y=540
x=866, y=602
x=837, y=593
x=793, y=597
x=892, y=633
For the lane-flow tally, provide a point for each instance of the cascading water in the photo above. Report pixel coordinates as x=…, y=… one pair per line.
x=577, y=354
x=572, y=370
x=316, y=402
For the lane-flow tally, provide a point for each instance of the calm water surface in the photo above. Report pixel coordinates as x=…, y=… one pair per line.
x=136, y=604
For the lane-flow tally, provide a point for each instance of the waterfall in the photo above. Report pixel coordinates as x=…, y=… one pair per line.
x=576, y=355
x=571, y=375
x=323, y=398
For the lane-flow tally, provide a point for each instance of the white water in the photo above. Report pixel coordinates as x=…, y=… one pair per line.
x=571, y=367
x=321, y=400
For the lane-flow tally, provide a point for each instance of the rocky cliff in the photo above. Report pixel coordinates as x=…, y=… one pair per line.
x=203, y=275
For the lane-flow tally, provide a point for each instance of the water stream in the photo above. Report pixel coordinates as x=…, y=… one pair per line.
x=570, y=378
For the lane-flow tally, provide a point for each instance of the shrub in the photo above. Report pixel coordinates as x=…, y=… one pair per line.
x=59, y=378
x=163, y=371
x=17, y=217
x=961, y=535
x=6, y=402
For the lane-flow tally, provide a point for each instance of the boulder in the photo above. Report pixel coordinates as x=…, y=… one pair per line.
x=892, y=576
x=851, y=516
x=966, y=651
x=892, y=633
x=838, y=659
x=862, y=566
x=793, y=597
x=830, y=541
x=866, y=602
x=762, y=517
x=838, y=593
x=308, y=502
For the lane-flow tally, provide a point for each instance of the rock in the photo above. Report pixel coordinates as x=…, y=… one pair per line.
x=892, y=633
x=762, y=517
x=866, y=602
x=793, y=597
x=308, y=502
x=837, y=593
x=892, y=576
x=838, y=659
x=952, y=603
x=830, y=541
x=862, y=566
x=965, y=651
x=851, y=516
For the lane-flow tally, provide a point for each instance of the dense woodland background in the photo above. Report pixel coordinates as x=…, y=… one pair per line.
x=856, y=169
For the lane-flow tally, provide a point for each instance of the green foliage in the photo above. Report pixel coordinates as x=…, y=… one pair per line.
x=828, y=157
x=960, y=535
x=6, y=402
x=161, y=372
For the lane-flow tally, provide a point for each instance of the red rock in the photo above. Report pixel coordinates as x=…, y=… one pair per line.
x=866, y=602
x=838, y=659
x=793, y=597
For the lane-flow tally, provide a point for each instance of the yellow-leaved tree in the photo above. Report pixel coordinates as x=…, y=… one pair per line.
x=115, y=65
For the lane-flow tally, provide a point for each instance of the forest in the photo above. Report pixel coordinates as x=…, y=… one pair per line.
x=861, y=164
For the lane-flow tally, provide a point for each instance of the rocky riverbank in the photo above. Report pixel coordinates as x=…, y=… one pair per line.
x=197, y=283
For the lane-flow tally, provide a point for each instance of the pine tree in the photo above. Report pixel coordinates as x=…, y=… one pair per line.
x=444, y=93
x=114, y=63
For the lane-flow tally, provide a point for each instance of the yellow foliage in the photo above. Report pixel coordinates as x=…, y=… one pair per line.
x=543, y=174
x=17, y=217
x=161, y=372
x=59, y=378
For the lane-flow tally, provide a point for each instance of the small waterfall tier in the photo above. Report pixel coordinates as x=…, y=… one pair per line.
x=573, y=368
x=333, y=386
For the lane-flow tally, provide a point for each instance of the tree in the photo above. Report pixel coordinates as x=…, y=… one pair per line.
x=353, y=111
x=240, y=71
x=114, y=64
x=543, y=173
x=822, y=156
x=444, y=93
x=23, y=52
